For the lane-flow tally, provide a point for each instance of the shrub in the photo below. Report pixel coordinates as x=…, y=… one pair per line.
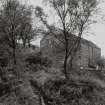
x=45, y=61
x=74, y=92
x=4, y=89
x=3, y=61
x=33, y=59
x=38, y=59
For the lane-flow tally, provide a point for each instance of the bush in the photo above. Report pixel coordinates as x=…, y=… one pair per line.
x=34, y=67
x=38, y=59
x=74, y=92
x=5, y=88
x=3, y=60
x=33, y=59
x=4, y=55
x=45, y=61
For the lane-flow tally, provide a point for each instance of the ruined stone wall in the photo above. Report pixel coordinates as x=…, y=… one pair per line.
x=87, y=54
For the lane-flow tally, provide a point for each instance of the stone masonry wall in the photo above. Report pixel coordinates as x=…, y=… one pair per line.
x=87, y=54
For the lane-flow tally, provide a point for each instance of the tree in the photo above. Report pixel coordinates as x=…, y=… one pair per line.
x=15, y=22
x=27, y=32
x=74, y=16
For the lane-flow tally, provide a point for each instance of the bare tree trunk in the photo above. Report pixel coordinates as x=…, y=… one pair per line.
x=29, y=44
x=40, y=101
x=66, y=54
x=71, y=62
x=65, y=65
x=14, y=57
x=24, y=44
x=14, y=53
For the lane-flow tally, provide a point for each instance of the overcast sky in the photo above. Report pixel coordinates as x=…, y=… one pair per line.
x=98, y=29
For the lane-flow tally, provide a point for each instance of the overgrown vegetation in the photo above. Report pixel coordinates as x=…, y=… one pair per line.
x=29, y=78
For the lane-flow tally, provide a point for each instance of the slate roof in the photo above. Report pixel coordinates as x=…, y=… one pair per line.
x=90, y=43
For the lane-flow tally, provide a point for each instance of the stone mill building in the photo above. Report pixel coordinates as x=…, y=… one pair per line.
x=85, y=56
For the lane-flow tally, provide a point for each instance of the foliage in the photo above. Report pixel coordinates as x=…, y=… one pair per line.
x=15, y=22
x=17, y=83
x=74, y=17
x=4, y=59
x=73, y=92
x=38, y=59
x=4, y=53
